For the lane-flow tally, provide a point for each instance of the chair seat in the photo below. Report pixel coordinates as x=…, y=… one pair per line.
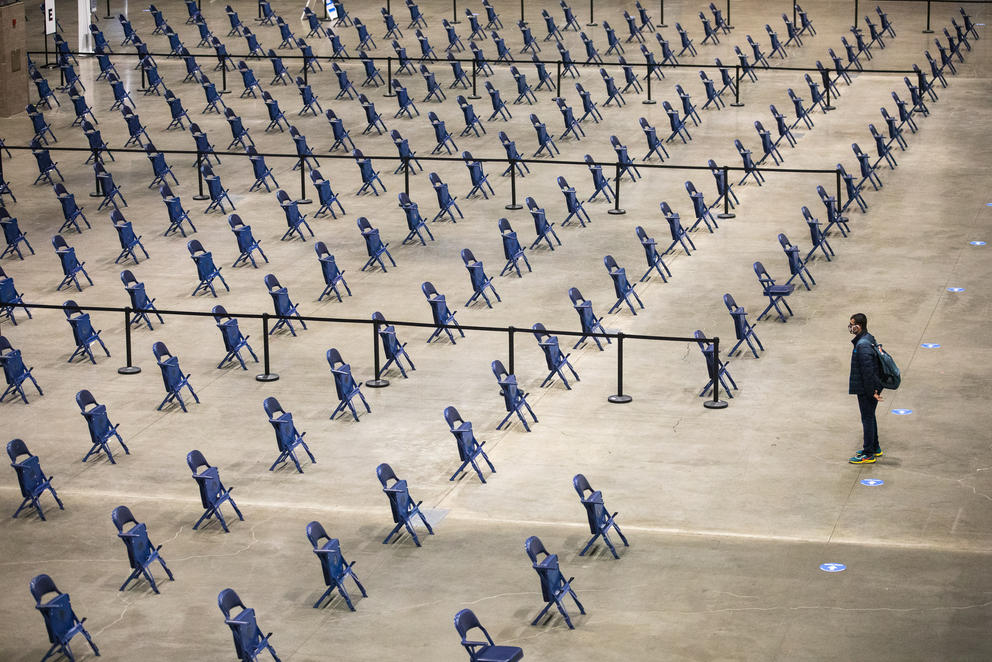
x=499, y=654
x=784, y=290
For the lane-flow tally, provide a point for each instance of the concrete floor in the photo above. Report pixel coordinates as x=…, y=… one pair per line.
x=729, y=513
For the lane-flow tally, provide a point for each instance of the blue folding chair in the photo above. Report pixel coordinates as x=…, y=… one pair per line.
x=808, y=25
x=309, y=99
x=479, y=60
x=587, y=319
x=341, y=136
x=569, y=121
x=600, y=519
x=83, y=332
x=853, y=190
x=12, y=235
x=177, y=214
x=30, y=477
x=553, y=356
x=344, y=385
x=817, y=236
x=714, y=367
x=743, y=330
x=71, y=266
x=542, y=226
x=100, y=428
x=141, y=553
x=685, y=41
x=408, y=157
x=801, y=114
x=677, y=124
x=512, y=250
x=554, y=586
x=61, y=621
x=701, y=210
x=140, y=301
x=454, y=41
x=653, y=257
x=213, y=493
x=365, y=40
x=443, y=316
x=417, y=19
x=310, y=61
x=480, y=281
x=480, y=180
x=401, y=504
x=303, y=150
x=513, y=156
x=172, y=377
x=45, y=93
x=712, y=95
x=572, y=204
x=40, y=125
x=254, y=48
x=261, y=172
x=750, y=167
x=544, y=139
x=776, y=293
x=279, y=71
x=206, y=270
x=867, y=168
x=481, y=651
x=239, y=132
x=427, y=53
x=630, y=77
x=433, y=87
x=589, y=108
x=445, y=201
x=654, y=143
x=544, y=79
x=444, y=139
x=613, y=94
x=288, y=438
x=404, y=101
x=469, y=448
x=203, y=147
x=70, y=210
x=10, y=298
x=177, y=112
x=218, y=194
x=460, y=77
x=234, y=340
x=369, y=175
x=834, y=217
x=295, y=221
x=414, y=221
x=499, y=106
x=213, y=98
x=524, y=92
x=160, y=168
x=392, y=29
x=570, y=22
x=325, y=195
x=332, y=563
x=284, y=307
x=46, y=166
x=372, y=117
x=622, y=286
x=797, y=266
x=633, y=30
x=552, y=28
x=374, y=245
x=472, y=122
x=80, y=107
x=248, y=639
x=391, y=346
x=599, y=180
x=513, y=398
x=784, y=130
x=403, y=60
x=627, y=166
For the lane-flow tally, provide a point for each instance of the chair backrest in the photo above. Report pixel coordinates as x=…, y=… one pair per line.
x=385, y=473
x=84, y=399
x=228, y=600
x=272, y=407
x=122, y=516
x=160, y=351
x=428, y=289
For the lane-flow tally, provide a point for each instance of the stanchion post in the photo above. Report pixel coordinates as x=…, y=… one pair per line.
x=523, y=21
x=716, y=402
x=454, y=12
x=726, y=195
x=475, y=69
x=259, y=3
x=406, y=174
x=727, y=22
x=928, y=30
x=649, y=101
x=96, y=180
x=558, y=81
x=737, y=87
x=306, y=77
x=199, y=177
x=268, y=375
x=826, y=81
x=616, y=198
x=619, y=397
x=509, y=339
x=303, y=183
x=108, y=14
x=389, y=77
x=838, y=178
x=377, y=382
x=144, y=79
x=223, y=78
x=592, y=19
x=129, y=368
x=513, y=206
x=856, y=14
x=662, y=8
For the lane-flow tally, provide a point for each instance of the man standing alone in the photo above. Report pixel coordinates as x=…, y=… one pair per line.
x=864, y=383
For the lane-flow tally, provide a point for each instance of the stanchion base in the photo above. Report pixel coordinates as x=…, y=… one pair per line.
x=737, y=105
x=52, y=65
x=663, y=25
x=393, y=95
x=513, y=207
x=728, y=214
x=649, y=102
x=617, y=212
x=619, y=399
x=473, y=97
x=267, y=377
x=830, y=108
x=304, y=201
x=377, y=383
x=455, y=22
x=718, y=404
x=927, y=31
x=96, y=195
x=592, y=25
x=201, y=197
x=129, y=370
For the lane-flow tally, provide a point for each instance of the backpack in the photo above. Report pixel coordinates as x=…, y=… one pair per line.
x=888, y=371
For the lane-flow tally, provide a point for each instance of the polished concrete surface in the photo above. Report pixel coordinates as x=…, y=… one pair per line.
x=729, y=513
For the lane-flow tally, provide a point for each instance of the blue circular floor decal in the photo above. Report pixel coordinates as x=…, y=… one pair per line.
x=871, y=482
x=930, y=345
x=977, y=243
x=955, y=289
x=833, y=567
x=902, y=412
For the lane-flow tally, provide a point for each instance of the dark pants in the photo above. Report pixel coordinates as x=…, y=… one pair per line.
x=867, y=404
